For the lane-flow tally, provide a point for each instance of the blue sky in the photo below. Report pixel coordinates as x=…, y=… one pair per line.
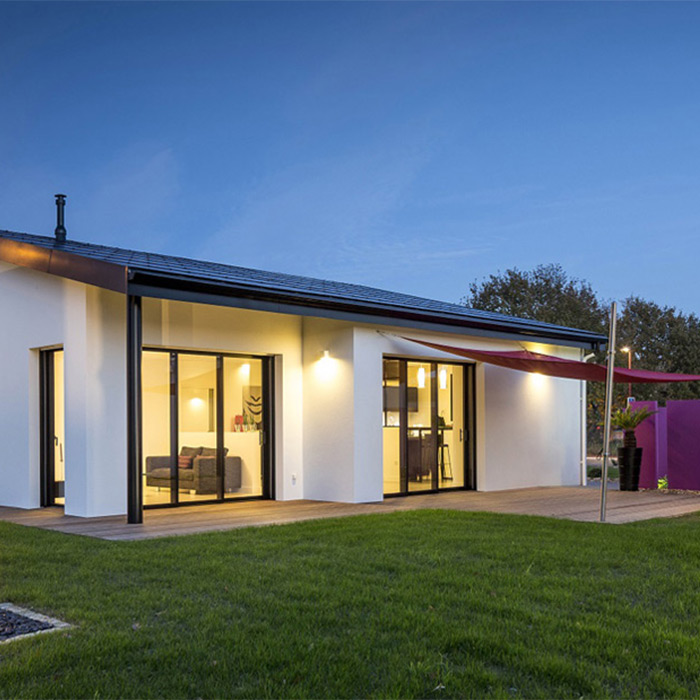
x=411, y=146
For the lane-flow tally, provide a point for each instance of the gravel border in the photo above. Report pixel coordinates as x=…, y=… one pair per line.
x=55, y=624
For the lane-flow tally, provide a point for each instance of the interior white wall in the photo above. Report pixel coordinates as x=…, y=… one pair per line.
x=180, y=325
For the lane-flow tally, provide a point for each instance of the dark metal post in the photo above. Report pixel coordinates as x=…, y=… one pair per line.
x=434, y=450
x=134, y=409
x=46, y=360
x=220, y=460
x=403, y=426
x=60, y=230
x=174, y=429
x=268, y=434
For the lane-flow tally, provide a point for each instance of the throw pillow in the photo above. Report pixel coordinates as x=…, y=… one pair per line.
x=184, y=462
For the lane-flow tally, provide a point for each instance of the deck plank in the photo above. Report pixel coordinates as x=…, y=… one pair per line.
x=564, y=502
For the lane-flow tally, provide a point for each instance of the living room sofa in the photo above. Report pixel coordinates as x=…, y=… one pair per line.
x=196, y=471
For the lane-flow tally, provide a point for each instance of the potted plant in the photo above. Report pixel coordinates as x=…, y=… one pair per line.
x=629, y=456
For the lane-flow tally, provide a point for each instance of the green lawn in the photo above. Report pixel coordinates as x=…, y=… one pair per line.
x=414, y=604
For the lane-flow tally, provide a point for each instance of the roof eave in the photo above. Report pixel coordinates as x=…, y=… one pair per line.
x=125, y=280
x=64, y=264
x=146, y=283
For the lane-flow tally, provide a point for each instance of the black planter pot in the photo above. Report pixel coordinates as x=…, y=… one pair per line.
x=629, y=459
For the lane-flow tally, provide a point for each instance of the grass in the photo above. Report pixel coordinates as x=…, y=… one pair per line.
x=414, y=604
x=595, y=472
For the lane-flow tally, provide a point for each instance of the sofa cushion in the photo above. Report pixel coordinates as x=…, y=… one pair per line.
x=160, y=473
x=211, y=451
x=190, y=451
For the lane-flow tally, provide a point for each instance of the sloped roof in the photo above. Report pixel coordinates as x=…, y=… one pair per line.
x=145, y=271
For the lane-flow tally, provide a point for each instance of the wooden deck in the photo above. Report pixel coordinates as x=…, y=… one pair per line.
x=571, y=503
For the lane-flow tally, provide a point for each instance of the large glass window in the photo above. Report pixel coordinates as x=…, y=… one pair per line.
x=197, y=435
x=425, y=427
x=421, y=447
x=243, y=427
x=451, y=426
x=159, y=470
x=204, y=427
x=59, y=427
x=53, y=428
x=391, y=429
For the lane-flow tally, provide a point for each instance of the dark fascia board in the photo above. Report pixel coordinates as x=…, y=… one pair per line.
x=147, y=284
x=119, y=278
x=63, y=264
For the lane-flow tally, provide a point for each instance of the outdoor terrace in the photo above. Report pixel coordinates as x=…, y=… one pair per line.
x=570, y=503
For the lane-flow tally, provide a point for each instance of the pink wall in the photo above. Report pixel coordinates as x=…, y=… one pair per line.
x=684, y=444
x=671, y=443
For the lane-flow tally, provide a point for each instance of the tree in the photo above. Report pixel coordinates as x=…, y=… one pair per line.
x=660, y=338
x=544, y=294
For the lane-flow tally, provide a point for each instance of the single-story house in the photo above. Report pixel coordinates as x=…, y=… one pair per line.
x=135, y=380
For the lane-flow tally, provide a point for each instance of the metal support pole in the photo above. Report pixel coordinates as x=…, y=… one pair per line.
x=134, y=410
x=608, y=408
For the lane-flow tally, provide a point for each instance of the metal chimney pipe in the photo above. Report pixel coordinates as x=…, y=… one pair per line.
x=60, y=231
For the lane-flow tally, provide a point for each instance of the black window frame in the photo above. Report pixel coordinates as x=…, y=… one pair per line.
x=268, y=437
x=469, y=421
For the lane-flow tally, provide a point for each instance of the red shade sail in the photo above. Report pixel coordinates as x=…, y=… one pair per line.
x=527, y=361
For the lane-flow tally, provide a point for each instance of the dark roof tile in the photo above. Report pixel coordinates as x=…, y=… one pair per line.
x=285, y=283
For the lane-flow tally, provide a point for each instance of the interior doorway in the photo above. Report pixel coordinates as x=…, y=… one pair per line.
x=428, y=426
x=53, y=428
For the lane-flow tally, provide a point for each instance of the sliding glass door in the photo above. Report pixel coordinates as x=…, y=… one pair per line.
x=207, y=427
x=53, y=428
x=427, y=424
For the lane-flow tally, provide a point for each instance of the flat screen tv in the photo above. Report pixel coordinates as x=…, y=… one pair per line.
x=391, y=398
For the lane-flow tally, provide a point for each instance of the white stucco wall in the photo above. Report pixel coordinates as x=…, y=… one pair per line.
x=40, y=311
x=528, y=427
x=328, y=412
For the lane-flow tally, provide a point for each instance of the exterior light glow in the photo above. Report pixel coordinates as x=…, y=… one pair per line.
x=538, y=380
x=443, y=378
x=326, y=367
x=625, y=349
x=421, y=377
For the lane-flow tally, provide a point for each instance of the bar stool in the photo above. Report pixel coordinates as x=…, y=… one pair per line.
x=445, y=461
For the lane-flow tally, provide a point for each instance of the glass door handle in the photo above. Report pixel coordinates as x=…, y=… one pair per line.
x=461, y=435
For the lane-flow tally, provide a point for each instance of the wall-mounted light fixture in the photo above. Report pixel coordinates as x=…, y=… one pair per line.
x=245, y=370
x=326, y=366
x=421, y=377
x=443, y=378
